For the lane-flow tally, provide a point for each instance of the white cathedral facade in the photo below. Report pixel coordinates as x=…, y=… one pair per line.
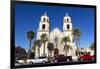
x=44, y=27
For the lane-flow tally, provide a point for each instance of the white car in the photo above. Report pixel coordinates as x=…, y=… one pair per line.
x=75, y=58
x=20, y=61
x=37, y=60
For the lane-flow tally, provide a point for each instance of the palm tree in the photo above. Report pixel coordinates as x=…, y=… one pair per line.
x=56, y=50
x=66, y=46
x=50, y=48
x=77, y=34
x=44, y=39
x=24, y=57
x=56, y=41
x=37, y=43
x=65, y=39
x=34, y=47
x=30, y=36
x=92, y=47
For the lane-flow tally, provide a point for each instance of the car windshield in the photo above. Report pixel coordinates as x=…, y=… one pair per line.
x=41, y=57
x=61, y=55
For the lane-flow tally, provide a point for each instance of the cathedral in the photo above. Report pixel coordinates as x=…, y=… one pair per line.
x=56, y=33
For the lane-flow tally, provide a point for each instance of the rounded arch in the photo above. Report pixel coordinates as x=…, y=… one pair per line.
x=68, y=26
x=67, y=19
x=43, y=26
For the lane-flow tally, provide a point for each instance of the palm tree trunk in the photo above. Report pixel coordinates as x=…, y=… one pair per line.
x=50, y=53
x=56, y=45
x=65, y=43
x=44, y=50
x=34, y=52
x=66, y=53
x=77, y=46
x=38, y=53
x=29, y=49
x=65, y=48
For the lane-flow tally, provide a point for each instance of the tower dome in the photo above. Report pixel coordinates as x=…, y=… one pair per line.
x=45, y=17
x=67, y=18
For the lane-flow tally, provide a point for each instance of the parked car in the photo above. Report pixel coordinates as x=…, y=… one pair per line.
x=51, y=59
x=74, y=58
x=20, y=61
x=62, y=58
x=86, y=57
x=37, y=60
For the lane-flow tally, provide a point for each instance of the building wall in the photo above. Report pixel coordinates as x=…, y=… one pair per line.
x=56, y=33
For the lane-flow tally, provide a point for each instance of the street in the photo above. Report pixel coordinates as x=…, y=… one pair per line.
x=54, y=64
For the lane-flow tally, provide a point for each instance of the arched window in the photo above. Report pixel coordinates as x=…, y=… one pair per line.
x=48, y=20
x=68, y=27
x=43, y=26
x=67, y=20
x=44, y=19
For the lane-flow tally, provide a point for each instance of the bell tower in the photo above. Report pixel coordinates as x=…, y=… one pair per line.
x=68, y=31
x=43, y=26
x=67, y=25
x=43, y=29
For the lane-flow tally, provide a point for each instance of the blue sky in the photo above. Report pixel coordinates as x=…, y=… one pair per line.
x=27, y=17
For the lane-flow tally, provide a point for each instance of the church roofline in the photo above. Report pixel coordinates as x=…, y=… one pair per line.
x=45, y=14
x=66, y=14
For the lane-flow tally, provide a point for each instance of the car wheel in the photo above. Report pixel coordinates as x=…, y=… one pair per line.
x=81, y=59
x=31, y=62
x=55, y=61
x=44, y=61
x=68, y=60
x=51, y=61
x=92, y=58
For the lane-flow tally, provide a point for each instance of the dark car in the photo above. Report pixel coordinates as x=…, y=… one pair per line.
x=62, y=58
x=51, y=59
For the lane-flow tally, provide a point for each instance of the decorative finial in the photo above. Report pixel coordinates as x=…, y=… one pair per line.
x=45, y=13
x=66, y=14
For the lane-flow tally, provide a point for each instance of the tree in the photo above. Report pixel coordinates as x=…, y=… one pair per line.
x=30, y=36
x=56, y=51
x=34, y=48
x=24, y=57
x=56, y=41
x=77, y=34
x=44, y=39
x=92, y=47
x=50, y=48
x=32, y=55
x=20, y=52
x=37, y=43
x=66, y=39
